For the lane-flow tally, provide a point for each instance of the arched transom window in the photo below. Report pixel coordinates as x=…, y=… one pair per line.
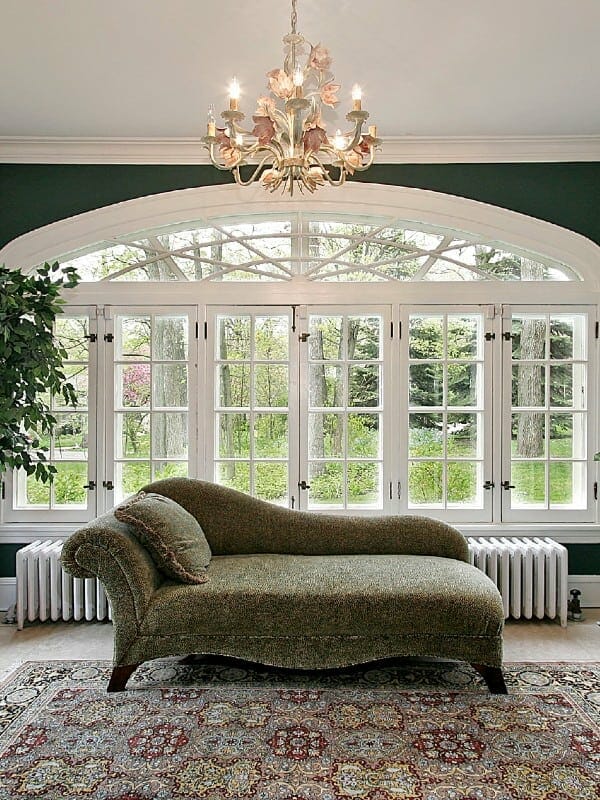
x=300, y=246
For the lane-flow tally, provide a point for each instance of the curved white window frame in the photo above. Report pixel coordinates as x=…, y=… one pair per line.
x=416, y=206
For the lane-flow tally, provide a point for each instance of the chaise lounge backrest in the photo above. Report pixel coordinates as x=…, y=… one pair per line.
x=233, y=522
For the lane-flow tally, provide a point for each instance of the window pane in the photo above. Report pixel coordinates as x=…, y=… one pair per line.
x=463, y=483
x=170, y=338
x=271, y=338
x=426, y=337
x=528, y=435
x=364, y=338
x=463, y=384
x=234, y=385
x=425, y=435
x=326, y=482
x=36, y=493
x=233, y=339
x=326, y=435
x=561, y=385
x=529, y=386
x=270, y=385
x=528, y=337
x=234, y=435
x=271, y=482
x=71, y=334
x=133, y=385
x=67, y=488
x=567, y=484
x=132, y=338
x=426, y=385
x=529, y=480
x=169, y=435
x=326, y=338
x=271, y=436
x=234, y=474
x=364, y=484
x=363, y=386
x=70, y=437
x=133, y=435
x=169, y=469
x=464, y=336
x=170, y=385
x=77, y=375
x=326, y=388
x=568, y=436
x=462, y=431
x=130, y=477
x=363, y=436
x=425, y=483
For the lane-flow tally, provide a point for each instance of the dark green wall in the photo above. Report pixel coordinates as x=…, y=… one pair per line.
x=32, y=195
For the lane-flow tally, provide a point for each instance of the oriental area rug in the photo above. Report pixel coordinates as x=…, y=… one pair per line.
x=224, y=729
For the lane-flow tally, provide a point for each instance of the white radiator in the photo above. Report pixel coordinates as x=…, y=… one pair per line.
x=45, y=591
x=531, y=574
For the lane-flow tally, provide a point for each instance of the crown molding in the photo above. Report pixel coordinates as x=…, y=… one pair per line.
x=395, y=150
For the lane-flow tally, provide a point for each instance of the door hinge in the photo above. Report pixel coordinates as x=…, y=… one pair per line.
x=489, y=485
x=205, y=329
x=108, y=337
x=3, y=490
x=92, y=337
x=489, y=336
x=303, y=485
x=597, y=330
x=91, y=486
x=294, y=329
x=391, y=330
x=304, y=337
x=197, y=329
x=595, y=490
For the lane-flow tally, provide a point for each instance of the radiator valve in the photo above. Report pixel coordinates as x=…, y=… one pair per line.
x=574, y=606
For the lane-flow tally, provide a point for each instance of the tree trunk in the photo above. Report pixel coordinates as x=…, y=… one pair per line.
x=530, y=387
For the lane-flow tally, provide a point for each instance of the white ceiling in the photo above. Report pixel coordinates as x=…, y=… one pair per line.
x=150, y=68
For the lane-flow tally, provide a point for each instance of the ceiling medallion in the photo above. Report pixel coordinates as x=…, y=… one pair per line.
x=289, y=140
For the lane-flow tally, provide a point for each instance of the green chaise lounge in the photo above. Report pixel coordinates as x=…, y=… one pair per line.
x=294, y=589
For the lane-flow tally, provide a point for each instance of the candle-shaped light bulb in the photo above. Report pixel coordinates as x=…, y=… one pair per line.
x=239, y=139
x=339, y=141
x=211, y=122
x=298, y=76
x=357, y=97
x=234, y=94
x=373, y=131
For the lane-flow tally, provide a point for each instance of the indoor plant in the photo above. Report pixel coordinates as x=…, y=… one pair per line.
x=31, y=364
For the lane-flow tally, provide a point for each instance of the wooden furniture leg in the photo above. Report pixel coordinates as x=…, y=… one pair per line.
x=120, y=676
x=493, y=677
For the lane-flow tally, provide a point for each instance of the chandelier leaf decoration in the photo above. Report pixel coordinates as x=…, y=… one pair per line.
x=289, y=139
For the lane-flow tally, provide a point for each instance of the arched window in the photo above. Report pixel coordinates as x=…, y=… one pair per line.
x=372, y=350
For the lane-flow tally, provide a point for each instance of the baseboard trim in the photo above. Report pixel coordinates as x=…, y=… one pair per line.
x=8, y=592
x=589, y=586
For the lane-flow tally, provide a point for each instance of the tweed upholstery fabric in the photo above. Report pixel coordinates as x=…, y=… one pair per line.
x=236, y=523
x=340, y=591
x=173, y=537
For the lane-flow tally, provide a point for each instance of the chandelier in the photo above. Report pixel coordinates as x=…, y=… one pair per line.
x=289, y=140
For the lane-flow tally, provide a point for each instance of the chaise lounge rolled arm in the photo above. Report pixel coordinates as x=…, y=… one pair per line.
x=106, y=549
x=294, y=589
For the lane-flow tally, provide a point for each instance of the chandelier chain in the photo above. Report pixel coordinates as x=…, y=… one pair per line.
x=294, y=16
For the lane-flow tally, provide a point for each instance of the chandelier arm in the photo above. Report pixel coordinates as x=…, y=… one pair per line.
x=254, y=174
x=333, y=181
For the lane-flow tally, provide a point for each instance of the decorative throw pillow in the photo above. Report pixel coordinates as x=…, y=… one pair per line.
x=173, y=537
